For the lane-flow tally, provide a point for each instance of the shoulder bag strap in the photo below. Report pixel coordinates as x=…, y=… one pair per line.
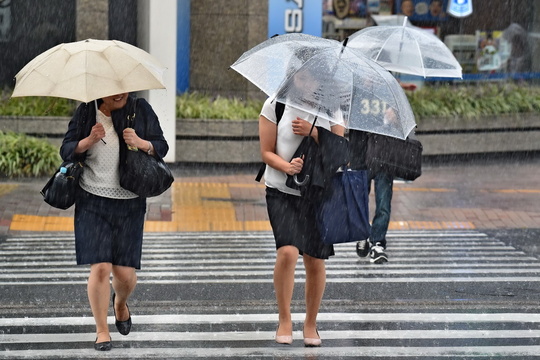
x=280, y=109
x=131, y=112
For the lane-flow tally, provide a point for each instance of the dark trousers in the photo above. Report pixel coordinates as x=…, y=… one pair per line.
x=383, y=206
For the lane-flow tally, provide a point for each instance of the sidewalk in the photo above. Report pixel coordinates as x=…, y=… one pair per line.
x=501, y=193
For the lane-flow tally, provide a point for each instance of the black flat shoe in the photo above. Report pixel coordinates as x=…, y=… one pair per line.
x=123, y=327
x=103, y=346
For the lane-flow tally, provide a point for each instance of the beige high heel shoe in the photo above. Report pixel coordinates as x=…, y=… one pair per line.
x=283, y=339
x=312, y=342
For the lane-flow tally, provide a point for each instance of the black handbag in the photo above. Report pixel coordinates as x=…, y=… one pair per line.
x=141, y=173
x=401, y=158
x=61, y=189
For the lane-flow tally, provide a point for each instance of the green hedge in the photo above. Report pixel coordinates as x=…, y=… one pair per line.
x=25, y=156
x=22, y=156
x=430, y=101
x=475, y=101
x=35, y=105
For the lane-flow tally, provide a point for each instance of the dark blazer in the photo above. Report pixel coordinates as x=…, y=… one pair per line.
x=358, y=141
x=146, y=125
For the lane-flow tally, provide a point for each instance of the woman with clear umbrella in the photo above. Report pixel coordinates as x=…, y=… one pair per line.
x=292, y=217
x=109, y=220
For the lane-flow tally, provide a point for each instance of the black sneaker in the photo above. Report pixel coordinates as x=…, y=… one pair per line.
x=377, y=254
x=363, y=247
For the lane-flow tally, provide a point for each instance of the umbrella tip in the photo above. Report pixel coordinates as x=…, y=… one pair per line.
x=345, y=42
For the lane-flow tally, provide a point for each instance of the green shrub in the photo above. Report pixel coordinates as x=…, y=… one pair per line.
x=432, y=100
x=35, y=106
x=474, y=101
x=198, y=106
x=25, y=156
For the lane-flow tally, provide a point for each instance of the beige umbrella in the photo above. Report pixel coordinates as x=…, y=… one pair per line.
x=88, y=70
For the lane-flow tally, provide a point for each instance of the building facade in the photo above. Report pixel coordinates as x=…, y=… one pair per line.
x=219, y=31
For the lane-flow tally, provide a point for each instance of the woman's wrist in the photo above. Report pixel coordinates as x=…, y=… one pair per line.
x=150, y=148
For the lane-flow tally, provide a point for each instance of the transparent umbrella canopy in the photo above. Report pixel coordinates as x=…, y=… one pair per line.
x=331, y=80
x=390, y=19
x=407, y=49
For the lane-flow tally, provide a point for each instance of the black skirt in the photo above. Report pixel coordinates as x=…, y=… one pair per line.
x=293, y=223
x=109, y=230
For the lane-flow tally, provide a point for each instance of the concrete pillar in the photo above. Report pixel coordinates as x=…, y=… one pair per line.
x=534, y=36
x=157, y=35
x=92, y=19
x=221, y=30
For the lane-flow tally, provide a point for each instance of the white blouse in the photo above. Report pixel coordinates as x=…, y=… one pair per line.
x=287, y=142
x=101, y=174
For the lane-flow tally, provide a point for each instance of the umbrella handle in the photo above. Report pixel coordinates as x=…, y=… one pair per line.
x=300, y=183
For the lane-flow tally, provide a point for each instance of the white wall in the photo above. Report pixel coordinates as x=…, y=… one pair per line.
x=157, y=35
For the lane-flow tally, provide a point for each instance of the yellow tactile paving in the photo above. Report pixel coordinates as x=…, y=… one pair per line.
x=397, y=188
x=208, y=207
x=515, y=191
x=431, y=225
x=41, y=223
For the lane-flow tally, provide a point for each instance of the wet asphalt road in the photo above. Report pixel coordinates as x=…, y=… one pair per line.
x=444, y=294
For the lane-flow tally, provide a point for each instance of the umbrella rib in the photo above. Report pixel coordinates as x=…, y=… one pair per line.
x=421, y=58
x=381, y=49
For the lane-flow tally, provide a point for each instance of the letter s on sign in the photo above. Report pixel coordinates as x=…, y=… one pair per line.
x=293, y=20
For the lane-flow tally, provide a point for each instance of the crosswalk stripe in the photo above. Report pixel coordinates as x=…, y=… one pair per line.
x=334, y=317
x=68, y=266
x=228, y=249
x=215, y=336
x=408, y=261
x=269, y=272
x=278, y=352
x=300, y=280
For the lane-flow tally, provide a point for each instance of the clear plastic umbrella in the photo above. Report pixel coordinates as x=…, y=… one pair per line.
x=407, y=49
x=390, y=19
x=325, y=78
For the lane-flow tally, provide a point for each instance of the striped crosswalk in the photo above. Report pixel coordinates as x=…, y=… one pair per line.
x=444, y=294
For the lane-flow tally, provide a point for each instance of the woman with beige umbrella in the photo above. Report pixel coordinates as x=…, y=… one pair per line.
x=109, y=219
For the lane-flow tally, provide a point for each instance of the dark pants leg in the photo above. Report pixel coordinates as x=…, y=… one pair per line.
x=383, y=200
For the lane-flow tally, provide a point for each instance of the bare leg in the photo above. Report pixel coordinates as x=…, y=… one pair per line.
x=123, y=283
x=99, y=293
x=286, y=259
x=315, y=285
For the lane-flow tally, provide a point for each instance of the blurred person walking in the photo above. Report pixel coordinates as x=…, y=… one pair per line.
x=383, y=183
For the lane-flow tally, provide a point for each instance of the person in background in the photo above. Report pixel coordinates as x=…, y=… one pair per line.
x=109, y=220
x=383, y=182
x=292, y=217
x=407, y=8
x=436, y=10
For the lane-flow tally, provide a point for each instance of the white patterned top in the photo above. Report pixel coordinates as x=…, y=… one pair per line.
x=101, y=174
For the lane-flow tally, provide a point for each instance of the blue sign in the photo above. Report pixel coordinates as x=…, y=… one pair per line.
x=294, y=16
x=183, y=32
x=423, y=11
x=460, y=8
